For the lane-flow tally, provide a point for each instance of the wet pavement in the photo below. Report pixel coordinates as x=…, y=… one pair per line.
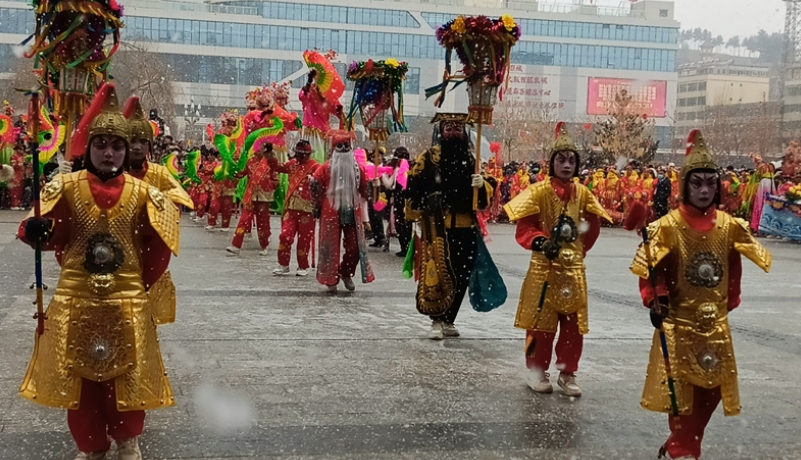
x=273, y=367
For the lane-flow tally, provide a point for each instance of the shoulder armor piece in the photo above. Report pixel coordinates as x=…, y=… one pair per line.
x=592, y=205
x=52, y=192
x=164, y=217
x=747, y=245
x=526, y=203
x=659, y=242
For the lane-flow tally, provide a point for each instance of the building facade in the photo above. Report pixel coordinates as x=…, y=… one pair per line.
x=568, y=60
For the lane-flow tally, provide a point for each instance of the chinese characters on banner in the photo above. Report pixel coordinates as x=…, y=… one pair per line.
x=648, y=97
x=532, y=89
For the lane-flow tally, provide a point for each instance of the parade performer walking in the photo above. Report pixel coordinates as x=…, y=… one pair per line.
x=340, y=189
x=141, y=148
x=257, y=200
x=206, y=187
x=439, y=195
x=690, y=271
x=559, y=221
x=297, y=218
x=101, y=223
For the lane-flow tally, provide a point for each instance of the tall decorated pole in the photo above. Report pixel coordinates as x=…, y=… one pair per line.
x=378, y=88
x=37, y=211
x=483, y=46
x=72, y=48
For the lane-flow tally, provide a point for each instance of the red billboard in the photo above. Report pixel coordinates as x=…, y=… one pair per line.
x=648, y=97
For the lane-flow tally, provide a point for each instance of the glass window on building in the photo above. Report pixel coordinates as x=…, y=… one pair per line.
x=692, y=87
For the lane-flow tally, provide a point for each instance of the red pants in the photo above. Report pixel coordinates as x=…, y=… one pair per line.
x=15, y=195
x=568, y=347
x=201, y=203
x=97, y=419
x=686, y=439
x=295, y=223
x=224, y=204
x=350, y=260
x=260, y=212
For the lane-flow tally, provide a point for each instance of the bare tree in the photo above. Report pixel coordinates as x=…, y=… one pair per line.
x=524, y=129
x=22, y=77
x=626, y=132
x=139, y=71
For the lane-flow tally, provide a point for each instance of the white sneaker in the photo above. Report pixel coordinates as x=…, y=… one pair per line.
x=209, y=228
x=348, y=282
x=91, y=456
x=449, y=330
x=233, y=250
x=225, y=230
x=264, y=251
x=302, y=272
x=540, y=382
x=332, y=288
x=128, y=449
x=686, y=457
x=192, y=215
x=436, y=331
x=567, y=382
x=281, y=271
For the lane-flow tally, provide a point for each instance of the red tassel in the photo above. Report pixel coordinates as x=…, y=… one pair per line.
x=691, y=140
x=80, y=138
x=130, y=105
x=559, y=128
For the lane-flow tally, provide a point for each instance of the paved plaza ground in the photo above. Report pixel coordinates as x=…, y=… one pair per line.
x=273, y=367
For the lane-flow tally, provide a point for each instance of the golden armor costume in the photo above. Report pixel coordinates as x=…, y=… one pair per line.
x=161, y=294
x=697, y=325
x=567, y=284
x=558, y=220
x=695, y=257
x=98, y=325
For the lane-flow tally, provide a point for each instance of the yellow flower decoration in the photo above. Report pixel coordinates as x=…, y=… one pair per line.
x=508, y=22
x=458, y=25
x=391, y=62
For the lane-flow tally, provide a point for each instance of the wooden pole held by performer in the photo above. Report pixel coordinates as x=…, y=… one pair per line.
x=478, y=165
x=37, y=211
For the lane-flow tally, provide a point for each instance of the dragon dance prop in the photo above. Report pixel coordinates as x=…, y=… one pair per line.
x=483, y=46
x=37, y=212
x=71, y=53
x=376, y=84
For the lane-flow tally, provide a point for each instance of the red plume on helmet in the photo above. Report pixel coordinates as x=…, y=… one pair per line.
x=691, y=140
x=559, y=127
x=80, y=137
x=130, y=106
x=636, y=216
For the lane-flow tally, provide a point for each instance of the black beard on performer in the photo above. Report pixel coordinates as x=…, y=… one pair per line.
x=456, y=169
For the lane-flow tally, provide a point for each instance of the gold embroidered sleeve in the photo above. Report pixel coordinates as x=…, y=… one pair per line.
x=173, y=190
x=747, y=245
x=594, y=207
x=524, y=204
x=164, y=217
x=659, y=237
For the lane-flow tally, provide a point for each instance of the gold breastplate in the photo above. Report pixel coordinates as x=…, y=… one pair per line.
x=700, y=296
x=102, y=259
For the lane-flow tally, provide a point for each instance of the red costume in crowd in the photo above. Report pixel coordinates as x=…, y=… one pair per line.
x=341, y=196
x=206, y=187
x=222, y=202
x=297, y=218
x=262, y=181
x=17, y=185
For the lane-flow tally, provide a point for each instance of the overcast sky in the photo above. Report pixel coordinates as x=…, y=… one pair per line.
x=723, y=17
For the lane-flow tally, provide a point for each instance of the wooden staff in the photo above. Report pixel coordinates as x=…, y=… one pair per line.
x=37, y=212
x=478, y=165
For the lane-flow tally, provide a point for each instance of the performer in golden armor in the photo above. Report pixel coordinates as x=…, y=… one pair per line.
x=141, y=148
x=558, y=219
x=694, y=252
x=112, y=234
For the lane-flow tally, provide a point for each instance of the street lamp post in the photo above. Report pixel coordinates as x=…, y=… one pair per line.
x=191, y=117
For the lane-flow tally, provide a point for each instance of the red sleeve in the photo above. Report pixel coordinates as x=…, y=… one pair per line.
x=735, y=276
x=363, y=183
x=62, y=230
x=528, y=228
x=155, y=254
x=662, y=275
x=593, y=231
x=281, y=168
